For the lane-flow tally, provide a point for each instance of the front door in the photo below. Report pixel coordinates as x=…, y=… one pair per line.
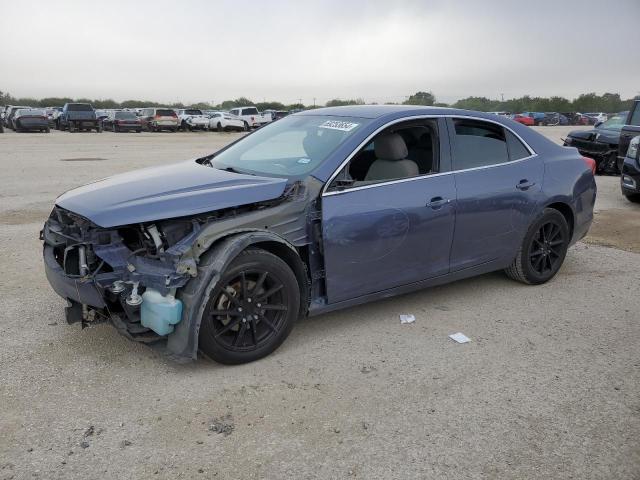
x=382, y=233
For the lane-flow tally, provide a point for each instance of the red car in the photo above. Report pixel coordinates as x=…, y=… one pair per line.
x=523, y=119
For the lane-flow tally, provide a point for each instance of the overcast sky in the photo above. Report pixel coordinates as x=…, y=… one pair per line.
x=380, y=51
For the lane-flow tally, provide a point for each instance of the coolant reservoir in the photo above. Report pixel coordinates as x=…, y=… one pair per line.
x=160, y=312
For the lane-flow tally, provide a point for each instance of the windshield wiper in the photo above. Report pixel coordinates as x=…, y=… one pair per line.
x=234, y=170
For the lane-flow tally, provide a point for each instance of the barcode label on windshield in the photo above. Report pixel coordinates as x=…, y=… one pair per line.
x=337, y=125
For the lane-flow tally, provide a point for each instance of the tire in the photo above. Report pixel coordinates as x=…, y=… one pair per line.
x=71, y=127
x=633, y=197
x=47, y=130
x=249, y=332
x=246, y=127
x=174, y=130
x=541, y=254
x=219, y=127
x=114, y=128
x=138, y=130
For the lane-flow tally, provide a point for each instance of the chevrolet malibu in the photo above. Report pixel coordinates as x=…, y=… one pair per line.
x=322, y=210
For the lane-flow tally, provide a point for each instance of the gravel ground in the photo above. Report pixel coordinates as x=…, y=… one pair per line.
x=549, y=386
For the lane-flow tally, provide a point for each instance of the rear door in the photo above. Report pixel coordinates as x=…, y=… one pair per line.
x=630, y=130
x=389, y=232
x=498, y=180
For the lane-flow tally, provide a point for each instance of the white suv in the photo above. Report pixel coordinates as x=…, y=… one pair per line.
x=251, y=117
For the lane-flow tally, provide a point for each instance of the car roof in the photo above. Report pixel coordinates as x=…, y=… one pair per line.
x=378, y=111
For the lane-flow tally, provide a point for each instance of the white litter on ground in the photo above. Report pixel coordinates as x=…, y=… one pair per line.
x=407, y=318
x=459, y=337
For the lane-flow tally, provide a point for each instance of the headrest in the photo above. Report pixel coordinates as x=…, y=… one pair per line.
x=390, y=147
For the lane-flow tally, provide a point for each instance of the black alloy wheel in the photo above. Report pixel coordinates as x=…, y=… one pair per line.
x=546, y=249
x=543, y=249
x=251, y=310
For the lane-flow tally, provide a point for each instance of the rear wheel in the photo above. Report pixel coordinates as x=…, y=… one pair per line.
x=220, y=129
x=543, y=249
x=251, y=310
x=246, y=127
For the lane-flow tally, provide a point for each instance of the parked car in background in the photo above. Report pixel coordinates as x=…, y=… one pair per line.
x=599, y=116
x=120, y=121
x=78, y=117
x=9, y=114
x=600, y=143
x=630, y=176
x=318, y=211
x=536, y=116
x=30, y=119
x=553, y=119
x=572, y=117
x=251, y=116
x=279, y=114
x=192, y=119
x=52, y=115
x=158, y=119
x=586, y=119
x=224, y=121
x=523, y=119
x=630, y=130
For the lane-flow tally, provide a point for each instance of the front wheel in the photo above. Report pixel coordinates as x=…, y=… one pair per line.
x=543, y=249
x=251, y=310
x=219, y=127
x=633, y=197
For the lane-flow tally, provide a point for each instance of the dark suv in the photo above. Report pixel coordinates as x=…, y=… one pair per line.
x=629, y=155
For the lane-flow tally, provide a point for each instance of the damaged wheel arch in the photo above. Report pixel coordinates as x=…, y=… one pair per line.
x=182, y=344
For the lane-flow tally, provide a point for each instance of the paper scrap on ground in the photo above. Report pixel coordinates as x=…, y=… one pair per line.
x=407, y=318
x=459, y=337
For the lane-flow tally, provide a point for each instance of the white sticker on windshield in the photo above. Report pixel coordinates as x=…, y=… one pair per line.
x=338, y=125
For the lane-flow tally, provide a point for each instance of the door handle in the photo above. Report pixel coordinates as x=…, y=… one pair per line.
x=437, y=202
x=525, y=184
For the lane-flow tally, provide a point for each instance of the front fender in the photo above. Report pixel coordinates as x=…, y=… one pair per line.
x=182, y=344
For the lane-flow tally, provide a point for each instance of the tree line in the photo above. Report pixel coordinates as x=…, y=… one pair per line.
x=586, y=102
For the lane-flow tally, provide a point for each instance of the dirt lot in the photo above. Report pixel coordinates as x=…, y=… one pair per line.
x=549, y=386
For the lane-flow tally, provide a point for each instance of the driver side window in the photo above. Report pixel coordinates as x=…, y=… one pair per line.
x=402, y=151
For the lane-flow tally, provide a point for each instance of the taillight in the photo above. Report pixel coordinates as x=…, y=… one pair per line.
x=591, y=163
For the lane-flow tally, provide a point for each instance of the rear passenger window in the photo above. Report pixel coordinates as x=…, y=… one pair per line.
x=478, y=144
x=517, y=150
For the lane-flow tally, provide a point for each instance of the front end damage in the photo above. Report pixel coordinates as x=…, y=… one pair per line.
x=103, y=273
x=133, y=275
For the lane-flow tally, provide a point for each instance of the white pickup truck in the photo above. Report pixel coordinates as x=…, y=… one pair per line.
x=251, y=117
x=192, y=119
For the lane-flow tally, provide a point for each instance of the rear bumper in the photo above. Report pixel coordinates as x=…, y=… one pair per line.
x=76, y=289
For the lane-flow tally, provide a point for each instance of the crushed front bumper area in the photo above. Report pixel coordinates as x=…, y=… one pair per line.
x=103, y=279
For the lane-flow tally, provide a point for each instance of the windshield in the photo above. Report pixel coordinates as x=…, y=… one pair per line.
x=79, y=107
x=616, y=122
x=290, y=147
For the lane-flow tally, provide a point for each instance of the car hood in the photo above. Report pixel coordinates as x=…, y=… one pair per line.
x=170, y=191
x=597, y=135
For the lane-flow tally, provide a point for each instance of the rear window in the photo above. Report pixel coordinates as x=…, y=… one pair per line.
x=165, y=113
x=193, y=111
x=79, y=107
x=125, y=116
x=30, y=111
x=479, y=144
x=250, y=111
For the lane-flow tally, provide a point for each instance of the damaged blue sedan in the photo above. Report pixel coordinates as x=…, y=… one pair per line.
x=321, y=210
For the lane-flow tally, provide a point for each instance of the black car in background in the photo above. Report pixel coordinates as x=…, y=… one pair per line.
x=30, y=119
x=600, y=143
x=122, y=122
x=630, y=130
